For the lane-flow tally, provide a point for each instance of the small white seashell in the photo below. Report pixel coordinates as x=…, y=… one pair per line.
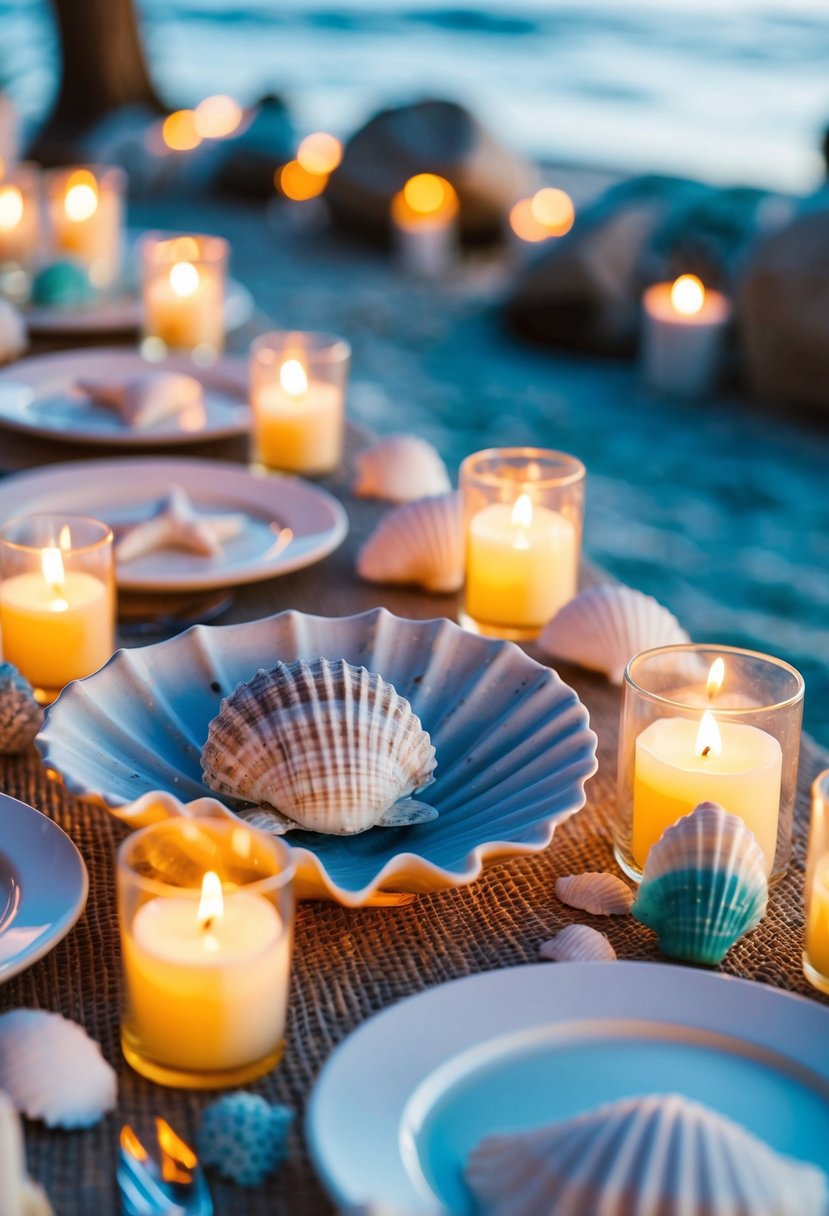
x=604, y=627
x=661, y=1154
x=601, y=894
x=704, y=885
x=52, y=1070
x=20, y=715
x=13, y=337
x=419, y=543
x=401, y=469
x=146, y=400
x=578, y=944
x=176, y=525
x=19, y=1196
x=323, y=746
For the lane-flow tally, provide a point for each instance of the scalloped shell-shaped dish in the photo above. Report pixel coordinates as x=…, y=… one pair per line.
x=642, y=1156
x=512, y=742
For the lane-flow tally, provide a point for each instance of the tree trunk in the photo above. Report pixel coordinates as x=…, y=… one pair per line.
x=103, y=69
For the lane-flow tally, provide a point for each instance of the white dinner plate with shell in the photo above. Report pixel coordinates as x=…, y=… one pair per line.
x=516, y=1049
x=512, y=742
x=43, y=886
x=39, y=396
x=287, y=522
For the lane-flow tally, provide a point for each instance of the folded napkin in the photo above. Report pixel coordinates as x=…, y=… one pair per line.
x=145, y=400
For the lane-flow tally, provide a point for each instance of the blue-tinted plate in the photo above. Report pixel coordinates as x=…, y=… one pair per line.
x=515, y=1049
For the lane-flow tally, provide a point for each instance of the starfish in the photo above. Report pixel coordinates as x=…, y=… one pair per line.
x=176, y=525
x=146, y=400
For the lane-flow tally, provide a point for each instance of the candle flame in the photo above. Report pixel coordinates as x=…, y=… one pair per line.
x=426, y=193
x=65, y=539
x=522, y=512
x=184, y=279
x=298, y=183
x=211, y=904
x=716, y=678
x=11, y=207
x=709, y=742
x=180, y=131
x=320, y=153
x=81, y=199
x=51, y=563
x=293, y=378
x=688, y=295
x=217, y=117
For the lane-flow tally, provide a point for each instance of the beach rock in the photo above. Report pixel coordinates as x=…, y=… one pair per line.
x=248, y=161
x=427, y=137
x=784, y=313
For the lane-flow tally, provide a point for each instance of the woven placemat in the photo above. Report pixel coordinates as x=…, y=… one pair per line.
x=347, y=965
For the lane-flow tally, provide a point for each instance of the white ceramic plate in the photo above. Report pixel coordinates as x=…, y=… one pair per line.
x=43, y=886
x=512, y=741
x=122, y=314
x=121, y=492
x=401, y=1103
x=38, y=396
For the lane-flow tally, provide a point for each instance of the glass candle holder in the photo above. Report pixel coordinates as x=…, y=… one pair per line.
x=19, y=218
x=816, y=892
x=684, y=326
x=704, y=723
x=206, y=911
x=522, y=521
x=183, y=294
x=297, y=398
x=85, y=211
x=424, y=221
x=57, y=598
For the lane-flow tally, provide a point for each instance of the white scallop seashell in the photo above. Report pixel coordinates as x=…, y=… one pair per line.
x=704, y=885
x=145, y=400
x=419, y=543
x=578, y=944
x=603, y=627
x=401, y=468
x=13, y=336
x=323, y=746
x=52, y=1070
x=601, y=894
x=660, y=1155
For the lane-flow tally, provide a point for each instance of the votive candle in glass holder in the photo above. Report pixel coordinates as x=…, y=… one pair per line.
x=206, y=912
x=424, y=220
x=705, y=723
x=57, y=598
x=816, y=893
x=183, y=294
x=522, y=522
x=85, y=210
x=683, y=333
x=297, y=399
x=19, y=217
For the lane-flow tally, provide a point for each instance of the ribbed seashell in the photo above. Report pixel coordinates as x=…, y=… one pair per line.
x=19, y=1196
x=601, y=894
x=13, y=337
x=577, y=944
x=328, y=747
x=704, y=885
x=52, y=1070
x=603, y=627
x=660, y=1155
x=418, y=543
x=20, y=715
x=401, y=468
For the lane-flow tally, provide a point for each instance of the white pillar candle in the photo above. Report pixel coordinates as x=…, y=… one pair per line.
x=680, y=763
x=683, y=329
x=85, y=219
x=424, y=217
x=521, y=564
x=207, y=982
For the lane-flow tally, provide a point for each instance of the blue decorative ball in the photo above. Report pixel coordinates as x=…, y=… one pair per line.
x=62, y=284
x=244, y=1137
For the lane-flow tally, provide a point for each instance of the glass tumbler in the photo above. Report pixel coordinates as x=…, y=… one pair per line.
x=183, y=296
x=816, y=948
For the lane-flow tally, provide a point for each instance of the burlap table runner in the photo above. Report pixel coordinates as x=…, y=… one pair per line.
x=347, y=964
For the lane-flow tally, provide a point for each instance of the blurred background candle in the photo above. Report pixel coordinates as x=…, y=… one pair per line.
x=206, y=918
x=183, y=295
x=57, y=598
x=683, y=332
x=85, y=214
x=684, y=739
x=19, y=217
x=522, y=511
x=424, y=218
x=816, y=952
x=297, y=386
x=549, y=213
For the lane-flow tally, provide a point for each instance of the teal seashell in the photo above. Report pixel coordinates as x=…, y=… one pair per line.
x=62, y=284
x=244, y=1137
x=20, y=715
x=704, y=885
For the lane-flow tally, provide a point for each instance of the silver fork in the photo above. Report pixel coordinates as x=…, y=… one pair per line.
x=171, y=1185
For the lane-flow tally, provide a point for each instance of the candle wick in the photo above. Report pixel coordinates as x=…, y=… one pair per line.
x=207, y=924
x=706, y=751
